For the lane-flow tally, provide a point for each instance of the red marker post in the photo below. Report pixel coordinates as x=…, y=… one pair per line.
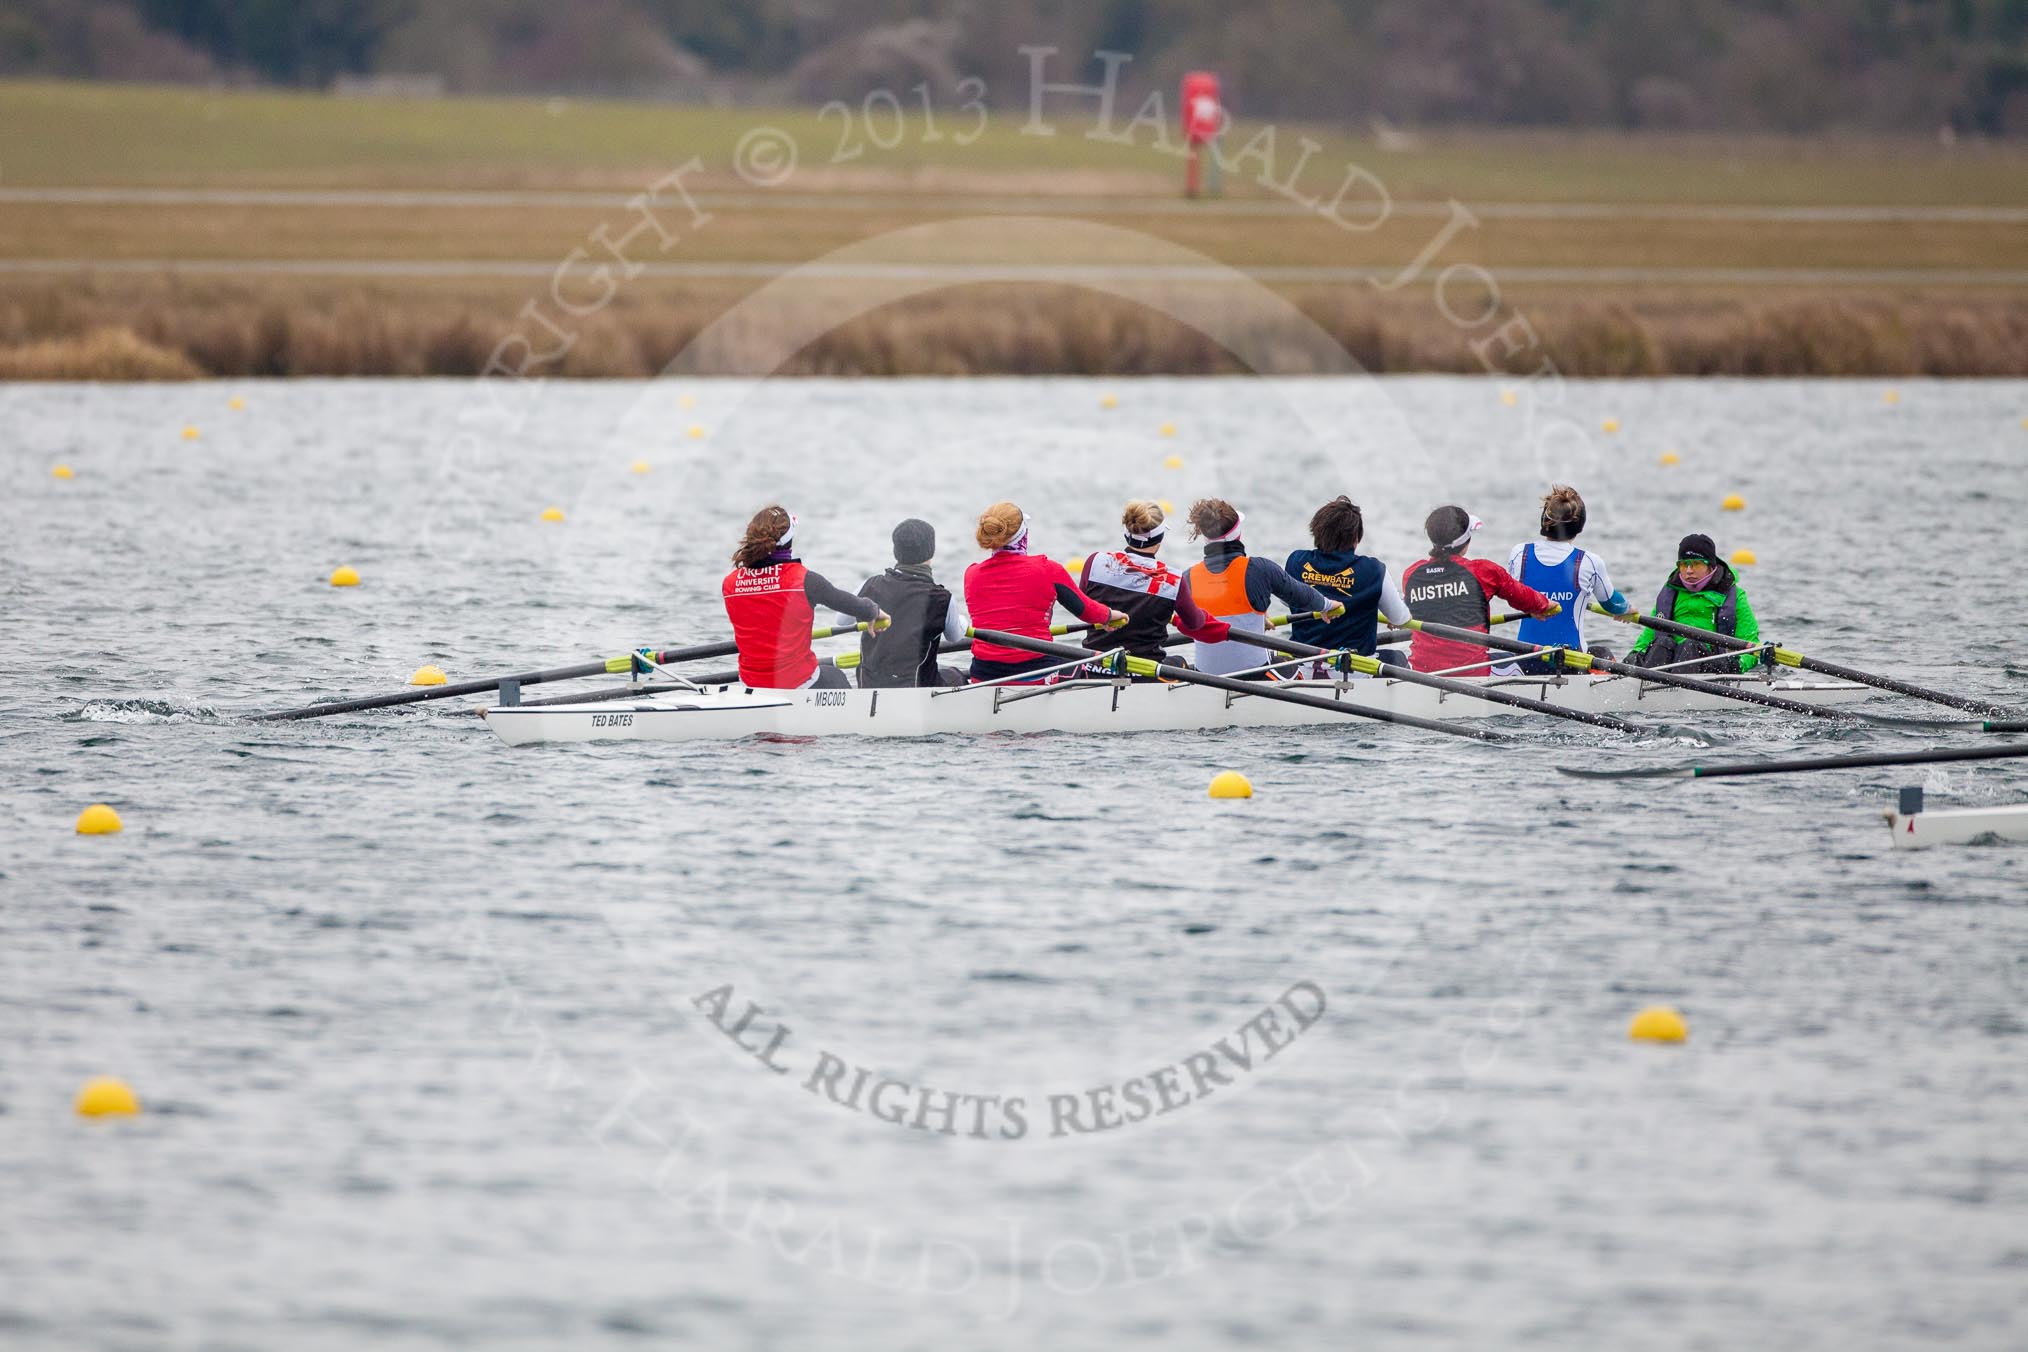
x=1203, y=120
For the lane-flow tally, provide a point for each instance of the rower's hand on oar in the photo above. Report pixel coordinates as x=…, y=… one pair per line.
x=1334, y=612
x=881, y=621
x=1114, y=620
x=1555, y=608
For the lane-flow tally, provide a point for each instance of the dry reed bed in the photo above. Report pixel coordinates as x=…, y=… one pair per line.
x=167, y=329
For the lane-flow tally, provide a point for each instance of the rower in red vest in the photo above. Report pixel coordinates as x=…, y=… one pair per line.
x=1151, y=593
x=772, y=600
x=1448, y=588
x=1015, y=590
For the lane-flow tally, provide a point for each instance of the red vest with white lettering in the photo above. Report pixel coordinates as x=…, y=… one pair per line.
x=771, y=621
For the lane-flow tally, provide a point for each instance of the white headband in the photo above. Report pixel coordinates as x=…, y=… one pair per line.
x=1474, y=528
x=788, y=534
x=1161, y=529
x=1019, y=537
x=1238, y=520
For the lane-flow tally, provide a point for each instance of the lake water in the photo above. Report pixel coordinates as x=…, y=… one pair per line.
x=422, y=1024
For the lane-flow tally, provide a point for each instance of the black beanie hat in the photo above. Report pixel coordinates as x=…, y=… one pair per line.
x=914, y=542
x=1697, y=547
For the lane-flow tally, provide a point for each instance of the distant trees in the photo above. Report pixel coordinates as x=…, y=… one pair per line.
x=1776, y=65
x=286, y=41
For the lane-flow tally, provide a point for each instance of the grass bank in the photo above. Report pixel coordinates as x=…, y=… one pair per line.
x=162, y=328
x=71, y=134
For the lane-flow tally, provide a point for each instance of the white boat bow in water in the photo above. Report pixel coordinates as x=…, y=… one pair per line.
x=723, y=713
x=1915, y=827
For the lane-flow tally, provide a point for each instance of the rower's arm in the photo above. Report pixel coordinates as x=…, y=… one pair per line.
x=1279, y=582
x=1515, y=591
x=820, y=592
x=1747, y=628
x=1077, y=603
x=1392, y=607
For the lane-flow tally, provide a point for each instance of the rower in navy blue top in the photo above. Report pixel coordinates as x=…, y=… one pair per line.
x=1336, y=568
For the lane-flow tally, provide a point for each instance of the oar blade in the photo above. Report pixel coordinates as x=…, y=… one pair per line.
x=1646, y=772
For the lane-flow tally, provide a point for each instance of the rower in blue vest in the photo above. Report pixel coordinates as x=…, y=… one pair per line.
x=1567, y=575
x=1336, y=568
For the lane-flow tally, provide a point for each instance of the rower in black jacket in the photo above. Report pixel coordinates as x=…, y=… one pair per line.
x=925, y=615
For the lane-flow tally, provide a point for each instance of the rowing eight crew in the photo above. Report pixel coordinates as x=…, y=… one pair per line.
x=1132, y=599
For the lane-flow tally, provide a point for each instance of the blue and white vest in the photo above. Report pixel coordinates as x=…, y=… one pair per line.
x=1558, y=582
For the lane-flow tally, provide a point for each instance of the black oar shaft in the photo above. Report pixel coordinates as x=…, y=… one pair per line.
x=1966, y=753
x=722, y=648
x=1464, y=688
x=1670, y=678
x=1257, y=689
x=1795, y=659
x=1898, y=687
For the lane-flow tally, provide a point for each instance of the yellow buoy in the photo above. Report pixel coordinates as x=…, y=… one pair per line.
x=1168, y=507
x=686, y=401
x=236, y=404
x=428, y=675
x=107, y=1097
x=190, y=434
x=1745, y=556
x=1168, y=429
x=1890, y=396
x=1510, y=397
x=1231, y=784
x=62, y=472
x=552, y=513
x=344, y=577
x=1658, y=1023
x=640, y=467
x=1733, y=503
x=1173, y=462
x=696, y=432
x=1109, y=401
x=1671, y=458
x=98, y=820
x=1609, y=426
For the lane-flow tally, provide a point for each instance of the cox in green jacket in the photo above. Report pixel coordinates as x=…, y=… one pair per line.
x=1699, y=601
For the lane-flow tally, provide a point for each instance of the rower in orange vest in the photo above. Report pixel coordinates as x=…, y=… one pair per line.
x=1235, y=587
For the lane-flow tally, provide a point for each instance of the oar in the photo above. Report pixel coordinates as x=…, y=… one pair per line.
x=1382, y=638
x=1587, y=662
x=1973, y=753
x=1789, y=658
x=1372, y=666
x=604, y=666
x=1142, y=666
x=843, y=661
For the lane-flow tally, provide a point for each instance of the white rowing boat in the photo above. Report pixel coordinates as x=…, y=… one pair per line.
x=1958, y=826
x=724, y=713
